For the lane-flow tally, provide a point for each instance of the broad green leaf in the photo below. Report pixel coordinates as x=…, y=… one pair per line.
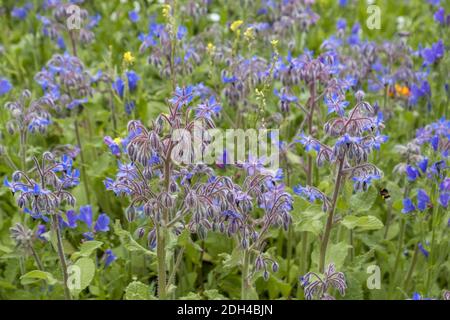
x=213, y=294
x=86, y=249
x=137, y=290
x=363, y=223
x=82, y=275
x=363, y=201
x=128, y=242
x=336, y=253
x=35, y=275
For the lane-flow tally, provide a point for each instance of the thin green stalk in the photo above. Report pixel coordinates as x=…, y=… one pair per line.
x=161, y=257
x=36, y=257
x=411, y=267
x=83, y=162
x=329, y=225
x=23, y=150
x=245, y=276
x=62, y=257
x=432, y=258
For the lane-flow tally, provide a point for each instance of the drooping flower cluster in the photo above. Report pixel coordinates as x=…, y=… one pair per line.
x=357, y=135
x=68, y=18
x=46, y=191
x=316, y=286
x=65, y=81
x=30, y=115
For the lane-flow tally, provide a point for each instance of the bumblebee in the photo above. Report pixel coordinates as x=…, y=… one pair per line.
x=384, y=193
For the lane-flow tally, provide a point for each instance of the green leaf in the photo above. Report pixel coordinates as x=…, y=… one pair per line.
x=363, y=223
x=86, y=268
x=35, y=275
x=213, y=294
x=336, y=253
x=137, y=290
x=231, y=261
x=128, y=242
x=309, y=220
x=86, y=249
x=363, y=201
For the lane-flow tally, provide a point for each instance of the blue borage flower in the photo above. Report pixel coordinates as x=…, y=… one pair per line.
x=5, y=86
x=309, y=142
x=433, y=54
x=312, y=194
x=133, y=15
x=208, y=108
x=422, y=249
x=423, y=202
x=335, y=103
x=362, y=183
x=408, y=206
x=20, y=13
x=40, y=230
x=109, y=257
x=119, y=85
x=182, y=97
x=86, y=216
x=285, y=99
x=412, y=173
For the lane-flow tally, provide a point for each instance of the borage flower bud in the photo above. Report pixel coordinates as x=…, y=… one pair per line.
x=140, y=232
x=151, y=239
x=130, y=214
x=167, y=200
x=275, y=266
x=259, y=263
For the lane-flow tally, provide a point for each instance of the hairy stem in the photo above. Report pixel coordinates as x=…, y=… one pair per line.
x=329, y=225
x=245, y=276
x=62, y=257
x=83, y=162
x=411, y=267
x=36, y=257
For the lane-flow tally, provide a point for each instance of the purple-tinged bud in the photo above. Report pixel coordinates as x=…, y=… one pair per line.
x=151, y=239
x=275, y=266
x=10, y=128
x=167, y=200
x=266, y=275
x=259, y=263
x=230, y=197
x=16, y=176
x=173, y=187
x=21, y=202
x=202, y=232
x=359, y=95
x=190, y=200
x=130, y=214
x=140, y=232
x=148, y=209
x=244, y=243
x=155, y=143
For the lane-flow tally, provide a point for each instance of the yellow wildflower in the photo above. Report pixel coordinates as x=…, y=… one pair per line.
x=210, y=48
x=249, y=34
x=235, y=25
x=128, y=57
x=118, y=140
x=166, y=11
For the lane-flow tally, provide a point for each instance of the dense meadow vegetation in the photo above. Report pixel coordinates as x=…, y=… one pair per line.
x=102, y=199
